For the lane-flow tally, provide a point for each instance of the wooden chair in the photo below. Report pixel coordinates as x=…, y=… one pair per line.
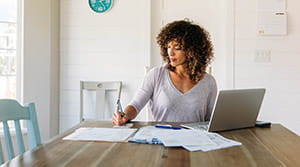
x=101, y=88
x=11, y=110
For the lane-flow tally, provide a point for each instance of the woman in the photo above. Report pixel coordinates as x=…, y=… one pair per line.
x=180, y=90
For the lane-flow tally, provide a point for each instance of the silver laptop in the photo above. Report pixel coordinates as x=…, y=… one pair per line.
x=233, y=109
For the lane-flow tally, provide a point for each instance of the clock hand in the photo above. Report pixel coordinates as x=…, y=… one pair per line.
x=101, y=1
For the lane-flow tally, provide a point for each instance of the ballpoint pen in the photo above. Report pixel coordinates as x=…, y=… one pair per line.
x=166, y=127
x=119, y=106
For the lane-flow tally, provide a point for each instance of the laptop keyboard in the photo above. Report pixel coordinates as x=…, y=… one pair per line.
x=196, y=125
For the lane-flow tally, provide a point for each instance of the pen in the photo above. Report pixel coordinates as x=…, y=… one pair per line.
x=119, y=108
x=166, y=127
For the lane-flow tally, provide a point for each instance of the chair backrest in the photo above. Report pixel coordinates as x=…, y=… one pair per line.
x=101, y=89
x=11, y=110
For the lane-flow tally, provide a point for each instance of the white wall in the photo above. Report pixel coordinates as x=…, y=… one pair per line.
x=14, y=143
x=211, y=15
x=101, y=47
x=232, y=25
x=40, y=59
x=127, y=33
x=131, y=32
x=81, y=37
x=281, y=75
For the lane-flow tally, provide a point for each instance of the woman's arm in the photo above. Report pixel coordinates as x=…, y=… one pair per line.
x=211, y=98
x=130, y=114
x=140, y=99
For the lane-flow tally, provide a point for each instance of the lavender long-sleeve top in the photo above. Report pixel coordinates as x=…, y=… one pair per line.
x=168, y=104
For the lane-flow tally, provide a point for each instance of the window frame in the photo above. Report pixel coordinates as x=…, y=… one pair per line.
x=19, y=52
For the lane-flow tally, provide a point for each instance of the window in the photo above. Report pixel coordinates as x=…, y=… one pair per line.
x=8, y=51
x=8, y=59
x=8, y=48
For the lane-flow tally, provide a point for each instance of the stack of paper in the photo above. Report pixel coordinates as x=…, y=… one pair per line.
x=192, y=140
x=100, y=134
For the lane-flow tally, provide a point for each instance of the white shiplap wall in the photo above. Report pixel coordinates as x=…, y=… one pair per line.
x=116, y=46
x=211, y=15
x=232, y=25
x=280, y=76
x=102, y=47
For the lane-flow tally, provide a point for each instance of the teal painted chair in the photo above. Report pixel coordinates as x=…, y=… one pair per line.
x=12, y=110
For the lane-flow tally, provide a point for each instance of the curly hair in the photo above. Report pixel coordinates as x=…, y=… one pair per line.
x=195, y=42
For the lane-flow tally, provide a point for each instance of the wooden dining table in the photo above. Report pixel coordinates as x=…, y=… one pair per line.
x=268, y=147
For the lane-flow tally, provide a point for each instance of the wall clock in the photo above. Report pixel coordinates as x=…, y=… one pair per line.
x=100, y=6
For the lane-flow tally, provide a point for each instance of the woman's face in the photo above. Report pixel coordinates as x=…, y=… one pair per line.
x=176, y=54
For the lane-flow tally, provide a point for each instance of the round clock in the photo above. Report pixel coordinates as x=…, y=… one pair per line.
x=100, y=6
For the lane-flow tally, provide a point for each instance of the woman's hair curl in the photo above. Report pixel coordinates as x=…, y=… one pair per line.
x=193, y=40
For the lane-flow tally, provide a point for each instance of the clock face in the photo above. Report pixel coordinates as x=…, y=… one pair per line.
x=100, y=6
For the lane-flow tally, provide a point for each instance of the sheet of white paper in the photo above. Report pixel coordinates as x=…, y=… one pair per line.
x=127, y=125
x=100, y=134
x=192, y=140
x=272, y=23
x=220, y=142
x=185, y=137
x=149, y=132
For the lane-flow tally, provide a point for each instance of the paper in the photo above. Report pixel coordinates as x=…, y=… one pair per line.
x=192, y=140
x=126, y=126
x=219, y=141
x=100, y=134
x=272, y=17
x=272, y=23
x=147, y=135
x=185, y=137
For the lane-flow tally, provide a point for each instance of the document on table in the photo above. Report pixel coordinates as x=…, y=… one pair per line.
x=218, y=140
x=100, y=134
x=192, y=140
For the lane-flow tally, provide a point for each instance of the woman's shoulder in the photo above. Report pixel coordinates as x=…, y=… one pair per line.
x=158, y=70
x=156, y=74
x=208, y=76
x=209, y=79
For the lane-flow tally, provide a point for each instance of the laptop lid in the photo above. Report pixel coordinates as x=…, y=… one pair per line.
x=235, y=109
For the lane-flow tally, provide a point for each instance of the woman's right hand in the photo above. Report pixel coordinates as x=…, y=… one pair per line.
x=118, y=120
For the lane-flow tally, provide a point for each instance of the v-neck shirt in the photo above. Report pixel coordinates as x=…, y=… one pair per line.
x=168, y=104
